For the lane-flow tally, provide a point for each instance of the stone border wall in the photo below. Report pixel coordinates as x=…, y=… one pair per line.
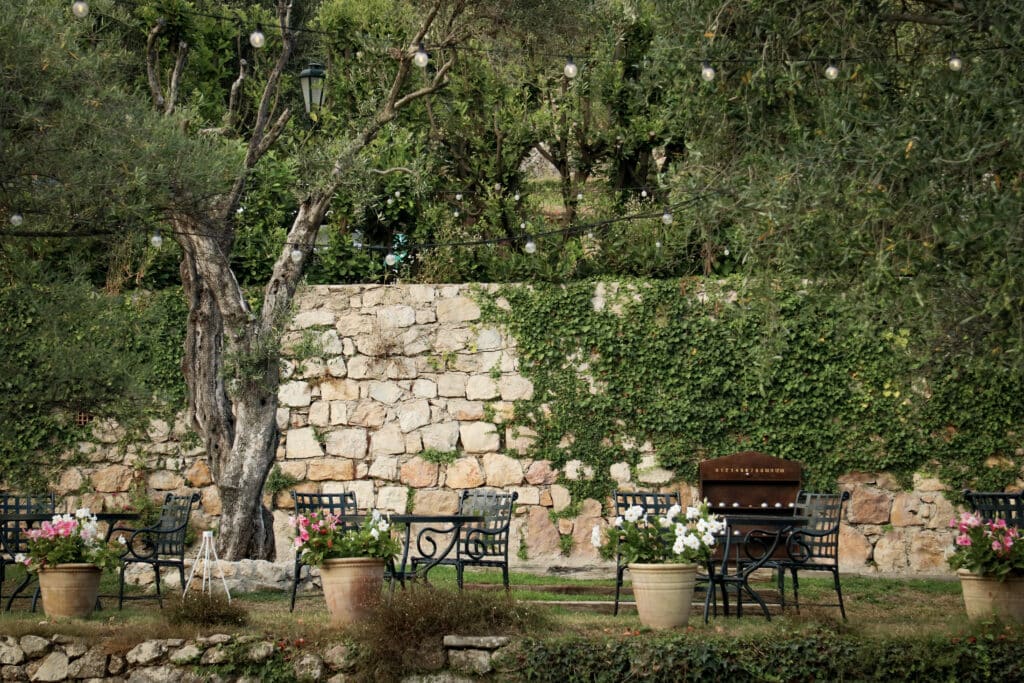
x=399, y=373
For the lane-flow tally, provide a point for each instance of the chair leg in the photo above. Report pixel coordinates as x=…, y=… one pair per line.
x=120, y=588
x=295, y=584
x=796, y=589
x=619, y=577
x=504, y=577
x=181, y=576
x=459, y=574
x=159, y=597
x=839, y=592
x=782, y=587
x=35, y=598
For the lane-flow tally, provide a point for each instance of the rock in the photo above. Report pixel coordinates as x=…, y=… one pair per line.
x=515, y=388
x=34, y=646
x=52, y=667
x=392, y=498
x=384, y=467
x=302, y=443
x=419, y=473
x=10, y=672
x=464, y=473
x=295, y=394
x=540, y=473
x=71, y=480
x=112, y=479
x=478, y=437
x=868, y=506
x=891, y=551
x=261, y=651
x=186, y=654
x=387, y=440
x=157, y=674
x=456, y=310
x=442, y=436
x=198, y=475
x=116, y=665
x=413, y=414
x=542, y=539
x=854, y=549
x=339, y=390
x=162, y=480
x=337, y=657
x=333, y=469
x=481, y=388
x=501, y=470
x=388, y=393
x=75, y=648
x=907, y=510
x=308, y=667
x=452, y=385
x=370, y=414
x=470, y=661
x=435, y=502
x=347, y=443
x=146, y=652
x=476, y=642
x=10, y=651
x=519, y=439
x=215, y=655
x=560, y=497
x=93, y=664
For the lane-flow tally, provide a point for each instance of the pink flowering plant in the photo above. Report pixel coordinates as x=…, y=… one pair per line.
x=321, y=536
x=987, y=548
x=66, y=539
x=677, y=537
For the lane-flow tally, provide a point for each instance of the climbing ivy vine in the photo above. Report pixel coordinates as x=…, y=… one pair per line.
x=699, y=369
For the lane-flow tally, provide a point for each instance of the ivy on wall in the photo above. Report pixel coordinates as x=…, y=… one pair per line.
x=700, y=369
x=70, y=355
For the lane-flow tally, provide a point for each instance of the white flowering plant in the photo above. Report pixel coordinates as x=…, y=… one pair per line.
x=322, y=536
x=67, y=539
x=679, y=536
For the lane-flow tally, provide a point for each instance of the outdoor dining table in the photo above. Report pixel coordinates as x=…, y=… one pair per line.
x=756, y=539
x=30, y=518
x=432, y=543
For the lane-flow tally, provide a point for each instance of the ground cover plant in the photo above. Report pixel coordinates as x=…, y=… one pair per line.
x=897, y=630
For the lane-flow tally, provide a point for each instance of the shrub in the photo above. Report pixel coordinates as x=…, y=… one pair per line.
x=205, y=609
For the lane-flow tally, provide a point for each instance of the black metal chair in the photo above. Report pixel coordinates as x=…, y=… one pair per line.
x=653, y=504
x=815, y=546
x=160, y=545
x=331, y=503
x=13, y=540
x=991, y=505
x=483, y=544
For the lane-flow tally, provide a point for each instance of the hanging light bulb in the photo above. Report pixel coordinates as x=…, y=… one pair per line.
x=455, y=213
x=643, y=193
x=80, y=8
x=657, y=245
x=831, y=72
x=579, y=196
x=570, y=69
x=458, y=196
x=256, y=38
x=954, y=62
x=390, y=259
x=707, y=72
x=516, y=197
x=666, y=218
x=296, y=255
x=17, y=219
x=398, y=193
x=530, y=247
x=420, y=58
x=391, y=200
x=726, y=251
x=357, y=240
x=157, y=240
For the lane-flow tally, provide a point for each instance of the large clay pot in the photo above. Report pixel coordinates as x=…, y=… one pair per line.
x=986, y=596
x=663, y=593
x=352, y=587
x=69, y=590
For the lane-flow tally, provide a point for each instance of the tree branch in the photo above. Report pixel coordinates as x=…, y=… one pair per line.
x=179, y=67
x=152, y=67
x=257, y=146
x=231, y=116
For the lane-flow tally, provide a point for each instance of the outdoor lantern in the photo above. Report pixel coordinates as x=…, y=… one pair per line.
x=312, y=80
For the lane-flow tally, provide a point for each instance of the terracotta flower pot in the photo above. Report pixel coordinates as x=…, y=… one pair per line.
x=352, y=587
x=986, y=596
x=69, y=590
x=663, y=592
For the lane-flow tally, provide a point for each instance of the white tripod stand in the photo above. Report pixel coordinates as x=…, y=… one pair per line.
x=207, y=548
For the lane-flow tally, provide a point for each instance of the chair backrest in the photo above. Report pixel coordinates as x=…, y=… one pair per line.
x=12, y=537
x=331, y=503
x=652, y=503
x=996, y=504
x=496, y=509
x=824, y=512
x=174, y=516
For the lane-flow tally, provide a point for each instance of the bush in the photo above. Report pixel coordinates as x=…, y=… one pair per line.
x=405, y=634
x=205, y=609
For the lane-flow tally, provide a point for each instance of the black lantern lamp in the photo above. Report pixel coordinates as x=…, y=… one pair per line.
x=312, y=80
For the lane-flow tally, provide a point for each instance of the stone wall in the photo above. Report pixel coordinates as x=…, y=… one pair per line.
x=394, y=375
x=214, y=657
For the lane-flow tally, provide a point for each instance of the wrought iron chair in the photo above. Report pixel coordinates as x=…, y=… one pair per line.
x=160, y=545
x=814, y=547
x=307, y=504
x=483, y=544
x=653, y=504
x=996, y=504
x=13, y=540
